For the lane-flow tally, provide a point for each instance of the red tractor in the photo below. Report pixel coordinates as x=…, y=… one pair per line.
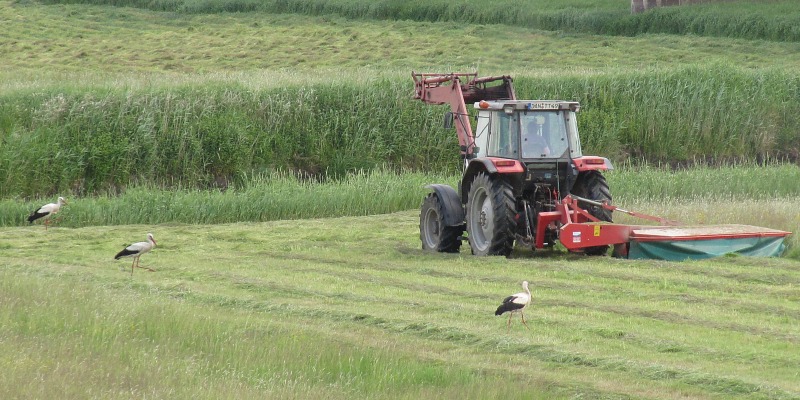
x=521, y=160
x=526, y=180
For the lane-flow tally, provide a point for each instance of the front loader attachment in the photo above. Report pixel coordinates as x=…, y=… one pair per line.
x=669, y=241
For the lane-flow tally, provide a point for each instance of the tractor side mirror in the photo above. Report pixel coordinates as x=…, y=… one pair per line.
x=448, y=120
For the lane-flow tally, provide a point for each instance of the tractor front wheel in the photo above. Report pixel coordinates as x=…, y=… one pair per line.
x=490, y=216
x=433, y=232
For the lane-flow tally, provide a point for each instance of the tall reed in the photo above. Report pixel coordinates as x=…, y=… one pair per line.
x=282, y=195
x=264, y=197
x=102, y=140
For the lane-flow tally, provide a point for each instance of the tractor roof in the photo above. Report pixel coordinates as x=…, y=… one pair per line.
x=528, y=105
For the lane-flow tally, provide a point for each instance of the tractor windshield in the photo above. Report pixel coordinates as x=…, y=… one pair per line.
x=532, y=134
x=544, y=134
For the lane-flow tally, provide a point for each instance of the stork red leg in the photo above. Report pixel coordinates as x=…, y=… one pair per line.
x=523, y=319
x=136, y=250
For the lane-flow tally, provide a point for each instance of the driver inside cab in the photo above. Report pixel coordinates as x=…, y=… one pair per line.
x=534, y=139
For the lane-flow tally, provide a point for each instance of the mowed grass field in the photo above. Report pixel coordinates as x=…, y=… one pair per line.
x=98, y=44
x=347, y=308
x=350, y=307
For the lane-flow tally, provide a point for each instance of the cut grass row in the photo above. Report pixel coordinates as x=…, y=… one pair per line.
x=740, y=19
x=100, y=41
x=351, y=308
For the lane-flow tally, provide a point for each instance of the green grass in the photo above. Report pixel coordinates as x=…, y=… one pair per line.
x=344, y=308
x=211, y=135
x=89, y=39
x=745, y=18
x=269, y=197
x=745, y=194
x=97, y=98
x=279, y=195
x=743, y=181
x=351, y=308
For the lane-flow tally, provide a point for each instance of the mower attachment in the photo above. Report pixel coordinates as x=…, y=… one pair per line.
x=670, y=241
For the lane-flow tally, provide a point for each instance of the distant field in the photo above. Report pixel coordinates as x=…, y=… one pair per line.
x=86, y=39
x=752, y=19
x=350, y=308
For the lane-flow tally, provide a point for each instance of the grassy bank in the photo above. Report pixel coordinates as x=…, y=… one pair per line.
x=105, y=41
x=351, y=308
x=269, y=197
x=745, y=194
x=281, y=195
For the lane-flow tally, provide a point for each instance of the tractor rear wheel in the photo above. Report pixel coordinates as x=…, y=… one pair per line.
x=490, y=216
x=433, y=232
x=592, y=185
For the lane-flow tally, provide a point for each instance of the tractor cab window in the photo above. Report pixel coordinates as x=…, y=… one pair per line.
x=544, y=134
x=572, y=132
x=504, y=137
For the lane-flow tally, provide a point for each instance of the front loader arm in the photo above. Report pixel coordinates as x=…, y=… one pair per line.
x=433, y=89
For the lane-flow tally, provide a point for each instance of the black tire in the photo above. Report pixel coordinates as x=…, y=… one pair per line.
x=592, y=185
x=490, y=216
x=434, y=234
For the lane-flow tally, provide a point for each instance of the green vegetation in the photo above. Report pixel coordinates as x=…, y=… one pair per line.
x=748, y=19
x=98, y=44
x=210, y=136
x=743, y=181
x=350, y=308
x=279, y=195
x=270, y=197
x=223, y=126
x=188, y=104
x=743, y=194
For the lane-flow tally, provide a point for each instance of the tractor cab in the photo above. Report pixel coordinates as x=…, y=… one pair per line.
x=527, y=130
x=542, y=135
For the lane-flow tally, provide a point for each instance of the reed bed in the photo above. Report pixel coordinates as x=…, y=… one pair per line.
x=95, y=140
x=740, y=19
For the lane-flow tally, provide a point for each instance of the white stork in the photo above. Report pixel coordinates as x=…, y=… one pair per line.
x=515, y=303
x=46, y=211
x=136, y=250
